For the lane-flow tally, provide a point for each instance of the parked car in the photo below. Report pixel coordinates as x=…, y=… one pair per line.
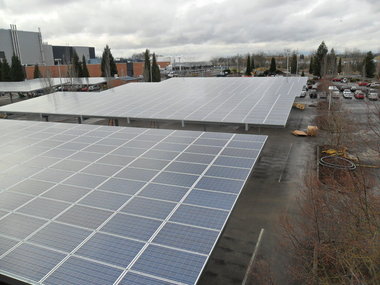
x=347, y=94
x=363, y=83
x=335, y=94
x=313, y=93
x=353, y=88
x=333, y=88
x=303, y=94
x=359, y=95
x=372, y=95
x=344, y=80
x=375, y=84
x=323, y=95
x=336, y=80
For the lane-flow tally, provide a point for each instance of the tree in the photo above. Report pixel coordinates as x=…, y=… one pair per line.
x=303, y=73
x=272, y=68
x=147, y=66
x=331, y=67
x=319, y=68
x=340, y=66
x=252, y=63
x=248, y=69
x=311, y=66
x=16, y=71
x=156, y=74
x=293, y=64
x=76, y=66
x=36, y=73
x=108, y=65
x=369, y=65
x=85, y=72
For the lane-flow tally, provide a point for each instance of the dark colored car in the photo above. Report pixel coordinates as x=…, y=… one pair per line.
x=313, y=94
x=363, y=83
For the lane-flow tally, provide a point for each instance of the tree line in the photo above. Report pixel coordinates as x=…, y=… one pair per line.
x=324, y=63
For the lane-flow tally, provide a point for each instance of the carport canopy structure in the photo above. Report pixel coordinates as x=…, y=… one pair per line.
x=254, y=101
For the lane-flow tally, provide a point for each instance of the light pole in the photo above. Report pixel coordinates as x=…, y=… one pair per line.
x=59, y=60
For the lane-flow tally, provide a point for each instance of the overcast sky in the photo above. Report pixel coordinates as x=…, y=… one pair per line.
x=199, y=29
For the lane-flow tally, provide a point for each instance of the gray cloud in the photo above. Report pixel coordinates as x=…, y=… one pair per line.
x=199, y=27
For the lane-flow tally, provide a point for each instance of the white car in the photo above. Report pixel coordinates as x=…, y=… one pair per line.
x=347, y=94
x=372, y=95
x=375, y=84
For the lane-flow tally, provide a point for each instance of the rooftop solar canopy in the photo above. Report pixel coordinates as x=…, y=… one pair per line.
x=85, y=204
x=41, y=83
x=255, y=101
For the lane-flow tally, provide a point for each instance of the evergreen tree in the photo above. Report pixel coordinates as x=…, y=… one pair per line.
x=272, y=68
x=331, y=62
x=76, y=66
x=156, y=75
x=5, y=71
x=340, y=66
x=252, y=63
x=248, y=69
x=85, y=72
x=293, y=64
x=147, y=66
x=16, y=71
x=303, y=73
x=1, y=70
x=311, y=66
x=369, y=65
x=36, y=73
x=108, y=65
x=319, y=60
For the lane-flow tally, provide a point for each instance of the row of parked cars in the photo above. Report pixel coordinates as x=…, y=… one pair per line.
x=348, y=93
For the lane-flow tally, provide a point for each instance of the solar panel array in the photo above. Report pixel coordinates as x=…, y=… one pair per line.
x=255, y=101
x=41, y=83
x=85, y=204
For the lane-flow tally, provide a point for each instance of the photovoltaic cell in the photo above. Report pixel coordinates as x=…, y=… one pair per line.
x=149, y=208
x=60, y=236
x=171, y=264
x=44, y=208
x=71, y=212
x=137, y=279
x=164, y=192
x=110, y=249
x=202, y=217
x=19, y=226
x=188, y=238
x=105, y=200
x=30, y=261
x=79, y=271
x=131, y=226
x=211, y=199
x=84, y=216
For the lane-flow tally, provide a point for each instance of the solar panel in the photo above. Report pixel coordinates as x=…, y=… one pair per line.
x=115, y=205
x=254, y=101
x=41, y=83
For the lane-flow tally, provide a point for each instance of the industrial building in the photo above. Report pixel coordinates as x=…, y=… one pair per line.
x=31, y=50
